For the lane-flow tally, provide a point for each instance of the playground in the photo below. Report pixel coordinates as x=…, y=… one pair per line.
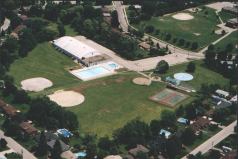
x=169, y=97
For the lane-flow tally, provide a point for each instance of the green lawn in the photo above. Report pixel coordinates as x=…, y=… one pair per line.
x=225, y=16
x=44, y=61
x=232, y=38
x=202, y=75
x=201, y=24
x=113, y=101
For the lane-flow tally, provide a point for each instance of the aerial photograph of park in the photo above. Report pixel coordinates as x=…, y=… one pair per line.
x=127, y=79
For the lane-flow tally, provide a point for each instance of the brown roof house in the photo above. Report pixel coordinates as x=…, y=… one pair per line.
x=137, y=149
x=199, y=124
x=7, y=109
x=17, y=31
x=28, y=129
x=144, y=45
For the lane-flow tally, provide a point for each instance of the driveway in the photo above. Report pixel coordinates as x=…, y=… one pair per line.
x=121, y=16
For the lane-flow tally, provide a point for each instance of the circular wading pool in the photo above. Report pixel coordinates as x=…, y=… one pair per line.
x=183, y=76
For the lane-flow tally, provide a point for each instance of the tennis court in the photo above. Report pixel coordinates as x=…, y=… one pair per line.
x=169, y=97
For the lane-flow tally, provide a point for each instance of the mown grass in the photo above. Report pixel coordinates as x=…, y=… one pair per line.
x=203, y=25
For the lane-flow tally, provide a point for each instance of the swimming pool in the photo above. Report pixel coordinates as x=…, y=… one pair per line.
x=91, y=73
x=81, y=154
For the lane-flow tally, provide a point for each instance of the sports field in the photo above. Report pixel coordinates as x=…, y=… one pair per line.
x=199, y=29
x=169, y=97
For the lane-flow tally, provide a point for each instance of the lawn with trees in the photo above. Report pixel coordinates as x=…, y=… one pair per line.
x=192, y=34
x=202, y=75
x=230, y=43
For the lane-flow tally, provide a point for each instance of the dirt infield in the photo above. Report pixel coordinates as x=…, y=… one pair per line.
x=67, y=98
x=142, y=81
x=183, y=16
x=36, y=84
x=113, y=157
x=169, y=97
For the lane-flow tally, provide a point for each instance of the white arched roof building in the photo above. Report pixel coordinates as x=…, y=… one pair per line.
x=74, y=47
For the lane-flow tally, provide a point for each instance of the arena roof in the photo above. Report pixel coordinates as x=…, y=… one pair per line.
x=74, y=47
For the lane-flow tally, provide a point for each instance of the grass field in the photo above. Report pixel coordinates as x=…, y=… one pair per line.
x=232, y=38
x=226, y=16
x=202, y=75
x=113, y=101
x=44, y=61
x=201, y=24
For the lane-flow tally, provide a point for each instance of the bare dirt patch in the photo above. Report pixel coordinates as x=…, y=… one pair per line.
x=183, y=16
x=142, y=81
x=67, y=98
x=36, y=84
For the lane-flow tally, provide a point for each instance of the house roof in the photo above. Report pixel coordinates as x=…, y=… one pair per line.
x=64, y=147
x=139, y=148
x=199, y=124
x=19, y=28
x=8, y=109
x=144, y=45
x=28, y=128
x=75, y=47
x=221, y=92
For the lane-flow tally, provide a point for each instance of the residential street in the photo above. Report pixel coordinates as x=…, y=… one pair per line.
x=120, y=11
x=214, y=140
x=12, y=144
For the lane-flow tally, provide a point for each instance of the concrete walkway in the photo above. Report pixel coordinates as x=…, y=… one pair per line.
x=214, y=140
x=12, y=144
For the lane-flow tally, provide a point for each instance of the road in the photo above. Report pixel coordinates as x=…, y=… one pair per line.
x=121, y=18
x=5, y=25
x=12, y=144
x=214, y=140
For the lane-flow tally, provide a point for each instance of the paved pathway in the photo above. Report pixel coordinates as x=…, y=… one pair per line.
x=11, y=143
x=214, y=140
x=121, y=18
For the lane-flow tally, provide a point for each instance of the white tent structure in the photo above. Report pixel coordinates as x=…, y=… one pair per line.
x=74, y=48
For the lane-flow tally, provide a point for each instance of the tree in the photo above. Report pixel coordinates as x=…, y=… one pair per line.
x=173, y=147
x=181, y=42
x=21, y=97
x=149, y=29
x=51, y=11
x=161, y=67
x=61, y=29
x=214, y=154
x=188, y=136
x=42, y=145
x=194, y=46
x=114, y=21
x=229, y=47
x=27, y=42
x=168, y=118
x=142, y=155
x=3, y=143
x=191, y=67
x=155, y=126
x=57, y=150
x=107, y=145
x=133, y=133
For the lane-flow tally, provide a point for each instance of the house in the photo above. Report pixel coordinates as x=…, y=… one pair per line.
x=233, y=99
x=232, y=23
x=199, y=124
x=7, y=109
x=144, y=45
x=113, y=157
x=28, y=129
x=137, y=6
x=172, y=81
x=51, y=139
x=137, y=149
x=222, y=93
x=17, y=31
x=183, y=121
x=166, y=133
x=231, y=155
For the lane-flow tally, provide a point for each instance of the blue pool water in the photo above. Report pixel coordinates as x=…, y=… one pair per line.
x=80, y=154
x=65, y=132
x=92, y=72
x=113, y=65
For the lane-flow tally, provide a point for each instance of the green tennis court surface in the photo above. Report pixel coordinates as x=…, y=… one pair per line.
x=169, y=97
